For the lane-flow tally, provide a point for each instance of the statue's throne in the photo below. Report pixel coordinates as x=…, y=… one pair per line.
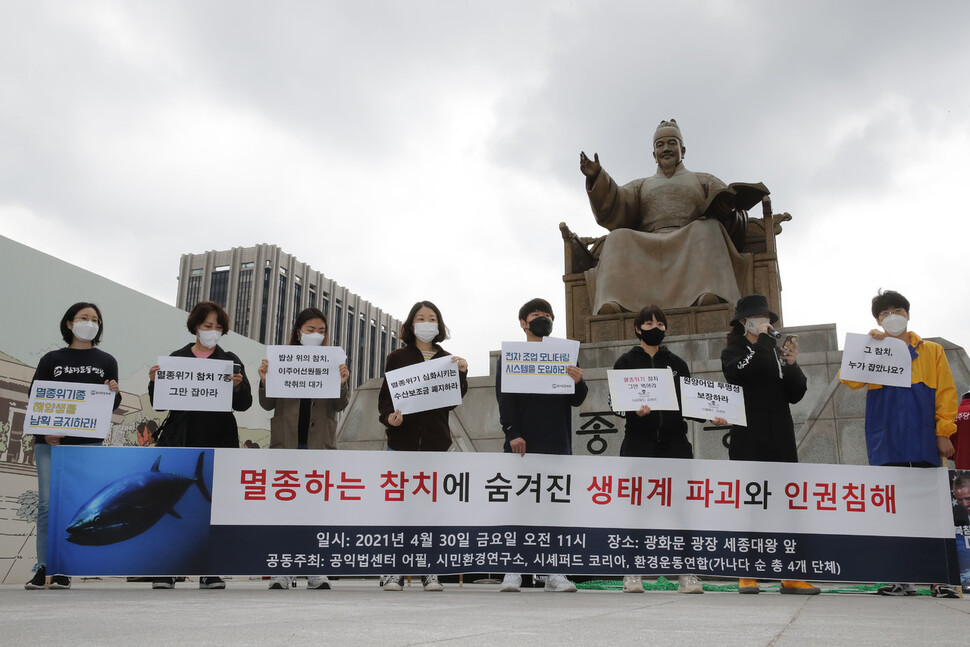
x=581, y=253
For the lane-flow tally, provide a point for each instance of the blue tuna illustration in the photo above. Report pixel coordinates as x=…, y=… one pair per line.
x=131, y=505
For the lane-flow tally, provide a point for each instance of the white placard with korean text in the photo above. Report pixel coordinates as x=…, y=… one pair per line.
x=193, y=384
x=69, y=409
x=707, y=399
x=538, y=367
x=630, y=389
x=426, y=385
x=304, y=371
x=876, y=361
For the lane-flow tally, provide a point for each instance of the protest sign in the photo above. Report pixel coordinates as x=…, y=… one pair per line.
x=707, y=399
x=876, y=361
x=433, y=384
x=304, y=371
x=630, y=389
x=193, y=384
x=69, y=409
x=538, y=367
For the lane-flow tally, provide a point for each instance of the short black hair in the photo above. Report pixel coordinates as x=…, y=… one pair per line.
x=649, y=313
x=302, y=318
x=199, y=313
x=66, y=333
x=535, y=305
x=407, y=330
x=888, y=299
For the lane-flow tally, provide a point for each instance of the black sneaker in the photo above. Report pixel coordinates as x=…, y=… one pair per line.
x=60, y=582
x=163, y=583
x=211, y=583
x=936, y=590
x=38, y=581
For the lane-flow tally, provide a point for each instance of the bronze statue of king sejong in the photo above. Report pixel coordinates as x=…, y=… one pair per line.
x=675, y=237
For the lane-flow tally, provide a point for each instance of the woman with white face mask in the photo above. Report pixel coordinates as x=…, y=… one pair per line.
x=80, y=361
x=304, y=423
x=425, y=431
x=208, y=322
x=772, y=381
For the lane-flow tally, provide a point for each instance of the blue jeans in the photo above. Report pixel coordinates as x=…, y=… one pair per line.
x=42, y=459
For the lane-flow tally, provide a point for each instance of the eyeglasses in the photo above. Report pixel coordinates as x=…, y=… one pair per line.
x=891, y=311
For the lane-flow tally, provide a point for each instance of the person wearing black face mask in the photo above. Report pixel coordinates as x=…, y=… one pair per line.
x=656, y=434
x=538, y=423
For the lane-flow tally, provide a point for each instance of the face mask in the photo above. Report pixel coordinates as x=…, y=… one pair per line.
x=311, y=339
x=751, y=325
x=893, y=324
x=541, y=326
x=209, y=338
x=85, y=330
x=652, y=336
x=426, y=330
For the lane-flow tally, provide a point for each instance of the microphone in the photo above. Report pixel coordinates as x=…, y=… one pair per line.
x=774, y=333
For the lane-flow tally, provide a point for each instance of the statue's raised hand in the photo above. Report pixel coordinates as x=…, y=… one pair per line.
x=589, y=167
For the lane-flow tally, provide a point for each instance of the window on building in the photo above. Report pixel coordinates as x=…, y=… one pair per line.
x=264, y=308
x=244, y=297
x=338, y=323
x=219, y=285
x=281, y=308
x=193, y=293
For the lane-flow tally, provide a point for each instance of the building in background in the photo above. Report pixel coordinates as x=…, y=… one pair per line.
x=263, y=289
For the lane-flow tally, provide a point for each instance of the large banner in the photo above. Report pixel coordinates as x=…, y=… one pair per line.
x=134, y=511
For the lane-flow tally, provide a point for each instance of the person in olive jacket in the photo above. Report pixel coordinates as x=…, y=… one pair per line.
x=305, y=423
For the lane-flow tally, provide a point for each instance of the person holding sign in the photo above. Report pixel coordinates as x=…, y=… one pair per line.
x=772, y=381
x=539, y=423
x=656, y=434
x=909, y=426
x=208, y=322
x=422, y=431
x=304, y=423
x=81, y=328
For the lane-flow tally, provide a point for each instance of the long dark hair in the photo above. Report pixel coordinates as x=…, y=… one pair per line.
x=302, y=318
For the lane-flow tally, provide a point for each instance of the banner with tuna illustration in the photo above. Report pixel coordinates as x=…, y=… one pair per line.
x=138, y=511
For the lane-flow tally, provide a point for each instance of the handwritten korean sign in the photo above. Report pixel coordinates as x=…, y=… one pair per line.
x=424, y=386
x=193, y=384
x=631, y=389
x=709, y=399
x=69, y=409
x=304, y=371
x=538, y=367
x=876, y=361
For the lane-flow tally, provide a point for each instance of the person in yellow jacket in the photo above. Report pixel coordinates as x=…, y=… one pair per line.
x=909, y=427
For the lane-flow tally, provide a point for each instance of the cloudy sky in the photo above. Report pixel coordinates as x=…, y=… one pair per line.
x=429, y=149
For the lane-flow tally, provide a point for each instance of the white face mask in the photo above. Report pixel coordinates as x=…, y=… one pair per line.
x=85, y=330
x=209, y=338
x=311, y=339
x=893, y=324
x=752, y=323
x=426, y=330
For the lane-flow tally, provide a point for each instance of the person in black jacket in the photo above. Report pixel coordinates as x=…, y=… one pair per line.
x=538, y=423
x=208, y=322
x=772, y=381
x=656, y=434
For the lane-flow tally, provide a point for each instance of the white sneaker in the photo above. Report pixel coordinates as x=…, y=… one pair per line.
x=393, y=582
x=280, y=582
x=431, y=583
x=321, y=582
x=632, y=584
x=511, y=583
x=559, y=584
x=689, y=584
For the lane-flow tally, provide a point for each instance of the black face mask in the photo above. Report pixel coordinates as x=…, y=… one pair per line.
x=540, y=326
x=652, y=336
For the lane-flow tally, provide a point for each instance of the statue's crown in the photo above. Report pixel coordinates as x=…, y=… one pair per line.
x=668, y=128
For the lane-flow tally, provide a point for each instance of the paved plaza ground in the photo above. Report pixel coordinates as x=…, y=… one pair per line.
x=357, y=612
